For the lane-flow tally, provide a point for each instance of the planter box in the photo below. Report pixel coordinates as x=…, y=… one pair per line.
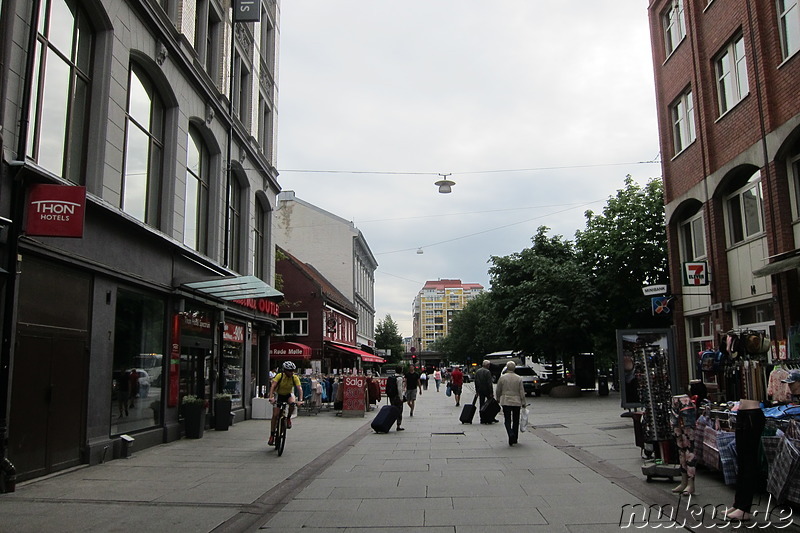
x=194, y=421
x=222, y=414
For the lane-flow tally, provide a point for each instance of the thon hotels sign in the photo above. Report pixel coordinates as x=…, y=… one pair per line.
x=55, y=210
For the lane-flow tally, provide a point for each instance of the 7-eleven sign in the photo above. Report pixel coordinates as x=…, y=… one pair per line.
x=695, y=273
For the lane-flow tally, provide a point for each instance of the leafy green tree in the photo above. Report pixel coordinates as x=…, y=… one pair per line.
x=387, y=337
x=475, y=331
x=621, y=250
x=544, y=298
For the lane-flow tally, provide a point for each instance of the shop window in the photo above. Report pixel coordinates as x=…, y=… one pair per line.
x=233, y=362
x=60, y=101
x=137, y=372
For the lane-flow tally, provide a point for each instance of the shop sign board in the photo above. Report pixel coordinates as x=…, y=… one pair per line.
x=354, y=399
x=695, y=273
x=174, y=362
x=55, y=210
x=233, y=333
x=651, y=290
x=246, y=11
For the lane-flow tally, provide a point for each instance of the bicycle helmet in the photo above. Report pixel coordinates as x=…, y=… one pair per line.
x=288, y=365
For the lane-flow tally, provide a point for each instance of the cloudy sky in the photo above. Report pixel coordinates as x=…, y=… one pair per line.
x=537, y=109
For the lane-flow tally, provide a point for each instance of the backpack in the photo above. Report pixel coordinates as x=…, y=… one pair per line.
x=391, y=387
x=709, y=361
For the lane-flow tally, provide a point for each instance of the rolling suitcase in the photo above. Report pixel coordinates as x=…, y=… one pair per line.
x=468, y=411
x=489, y=410
x=385, y=418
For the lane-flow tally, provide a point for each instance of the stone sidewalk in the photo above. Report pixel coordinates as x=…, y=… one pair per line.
x=574, y=472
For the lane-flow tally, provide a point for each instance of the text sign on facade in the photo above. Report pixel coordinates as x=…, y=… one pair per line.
x=651, y=290
x=695, y=274
x=55, y=210
x=246, y=11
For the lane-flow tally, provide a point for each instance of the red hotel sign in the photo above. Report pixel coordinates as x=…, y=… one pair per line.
x=56, y=210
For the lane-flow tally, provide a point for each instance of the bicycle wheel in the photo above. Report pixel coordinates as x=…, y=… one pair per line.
x=280, y=440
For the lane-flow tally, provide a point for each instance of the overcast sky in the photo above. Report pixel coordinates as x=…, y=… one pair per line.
x=537, y=108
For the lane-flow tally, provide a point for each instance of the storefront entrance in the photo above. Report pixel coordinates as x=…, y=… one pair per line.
x=195, y=372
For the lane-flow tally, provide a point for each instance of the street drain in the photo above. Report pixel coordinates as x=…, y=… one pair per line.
x=454, y=433
x=550, y=426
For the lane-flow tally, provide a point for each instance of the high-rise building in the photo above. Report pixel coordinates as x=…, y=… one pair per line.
x=435, y=306
x=727, y=75
x=137, y=183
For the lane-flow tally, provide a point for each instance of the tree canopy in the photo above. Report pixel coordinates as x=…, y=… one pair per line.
x=475, y=331
x=387, y=337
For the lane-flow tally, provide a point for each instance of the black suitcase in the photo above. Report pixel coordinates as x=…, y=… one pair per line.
x=385, y=418
x=468, y=412
x=489, y=410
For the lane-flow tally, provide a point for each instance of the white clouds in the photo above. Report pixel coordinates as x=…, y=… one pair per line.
x=462, y=86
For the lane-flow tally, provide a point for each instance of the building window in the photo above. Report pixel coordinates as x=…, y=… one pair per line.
x=674, y=25
x=241, y=89
x=144, y=149
x=259, y=241
x=208, y=26
x=235, y=225
x=682, y=112
x=693, y=239
x=267, y=42
x=789, y=23
x=699, y=337
x=731, y=67
x=60, y=90
x=195, y=222
x=293, y=323
x=744, y=210
x=794, y=176
x=265, y=127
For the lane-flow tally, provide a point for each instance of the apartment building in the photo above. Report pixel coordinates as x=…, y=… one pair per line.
x=138, y=183
x=435, y=306
x=727, y=74
x=335, y=247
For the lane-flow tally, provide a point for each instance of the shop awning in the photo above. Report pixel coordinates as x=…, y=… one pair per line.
x=779, y=266
x=234, y=288
x=289, y=350
x=365, y=356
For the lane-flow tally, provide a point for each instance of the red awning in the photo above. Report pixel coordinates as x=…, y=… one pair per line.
x=289, y=350
x=365, y=356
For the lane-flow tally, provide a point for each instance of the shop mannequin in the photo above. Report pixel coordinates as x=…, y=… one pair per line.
x=684, y=416
x=749, y=425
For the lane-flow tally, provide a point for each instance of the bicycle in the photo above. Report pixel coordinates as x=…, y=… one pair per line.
x=280, y=426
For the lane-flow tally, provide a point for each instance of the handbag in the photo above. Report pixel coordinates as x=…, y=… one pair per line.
x=523, y=419
x=448, y=390
x=726, y=443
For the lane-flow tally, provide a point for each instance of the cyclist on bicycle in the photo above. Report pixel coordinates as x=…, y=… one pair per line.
x=284, y=385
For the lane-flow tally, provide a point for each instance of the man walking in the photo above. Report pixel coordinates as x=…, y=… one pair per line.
x=412, y=384
x=511, y=395
x=483, y=386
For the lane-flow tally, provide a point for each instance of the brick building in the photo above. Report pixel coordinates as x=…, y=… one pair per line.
x=727, y=75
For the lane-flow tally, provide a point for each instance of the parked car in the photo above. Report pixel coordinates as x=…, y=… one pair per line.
x=530, y=380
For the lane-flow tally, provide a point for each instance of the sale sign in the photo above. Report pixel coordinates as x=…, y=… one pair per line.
x=354, y=397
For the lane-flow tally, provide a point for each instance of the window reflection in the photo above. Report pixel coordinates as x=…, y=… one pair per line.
x=143, y=149
x=60, y=89
x=137, y=374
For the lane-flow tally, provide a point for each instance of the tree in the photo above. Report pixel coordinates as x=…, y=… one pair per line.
x=543, y=297
x=475, y=331
x=621, y=250
x=387, y=337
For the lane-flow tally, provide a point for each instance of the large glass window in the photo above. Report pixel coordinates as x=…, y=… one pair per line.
x=789, y=24
x=731, y=67
x=674, y=25
x=195, y=224
x=235, y=225
x=60, y=89
x=682, y=112
x=144, y=148
x=744, y=210
x=137, y=377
